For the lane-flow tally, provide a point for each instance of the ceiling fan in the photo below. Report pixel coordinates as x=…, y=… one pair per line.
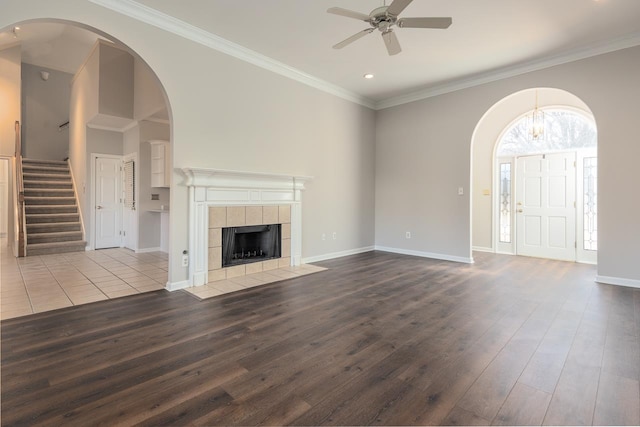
x=384, y=18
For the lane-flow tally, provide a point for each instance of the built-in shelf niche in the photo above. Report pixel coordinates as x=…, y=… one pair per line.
x=160, y=163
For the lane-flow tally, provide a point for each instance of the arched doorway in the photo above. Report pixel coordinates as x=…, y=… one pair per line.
x=545, y=189
x=135, y=112
x=505, y=120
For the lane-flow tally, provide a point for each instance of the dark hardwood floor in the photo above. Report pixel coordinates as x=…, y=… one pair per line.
x=376, y=339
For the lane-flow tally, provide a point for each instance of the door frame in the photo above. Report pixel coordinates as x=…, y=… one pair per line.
x=582, y=255
x=134, y=231
x=92, y=196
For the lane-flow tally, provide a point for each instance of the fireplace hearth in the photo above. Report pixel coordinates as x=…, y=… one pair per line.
x=249, y=244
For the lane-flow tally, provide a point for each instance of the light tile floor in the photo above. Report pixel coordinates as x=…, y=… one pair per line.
x=220, y=287
x=48, y=282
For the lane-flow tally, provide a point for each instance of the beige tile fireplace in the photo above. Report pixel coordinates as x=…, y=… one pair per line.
x=223, y=198
x=237, y=216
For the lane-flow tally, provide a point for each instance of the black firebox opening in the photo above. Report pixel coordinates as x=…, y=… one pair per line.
x=254, y=243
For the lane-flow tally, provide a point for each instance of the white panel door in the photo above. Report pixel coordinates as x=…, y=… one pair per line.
x=545, y=206
x=108, y=207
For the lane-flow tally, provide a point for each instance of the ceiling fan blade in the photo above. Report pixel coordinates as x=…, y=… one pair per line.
x=397, y=7
x=392, y=43
x=353, y=38
x=349, y=13
x=439, y=23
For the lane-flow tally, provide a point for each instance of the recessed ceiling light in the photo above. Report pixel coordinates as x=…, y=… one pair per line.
x=16, y=28
x=368, y=76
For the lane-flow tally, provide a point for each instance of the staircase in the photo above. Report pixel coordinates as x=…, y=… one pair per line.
x=52, y=216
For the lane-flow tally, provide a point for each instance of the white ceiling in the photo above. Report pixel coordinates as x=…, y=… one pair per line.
x=487, y=37
x=52, y=45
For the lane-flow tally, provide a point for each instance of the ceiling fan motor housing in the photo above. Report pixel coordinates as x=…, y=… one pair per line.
x=380, y=19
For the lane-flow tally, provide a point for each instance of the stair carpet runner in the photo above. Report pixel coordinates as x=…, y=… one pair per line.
x=52, y=216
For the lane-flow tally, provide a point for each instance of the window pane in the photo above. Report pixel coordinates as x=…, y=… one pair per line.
x=590, y=203
x=564, y=130
x=505, y=202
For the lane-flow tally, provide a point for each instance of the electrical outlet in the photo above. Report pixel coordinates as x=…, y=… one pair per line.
x=185, y=260
x=335, y=235
x=408, y=234
x=460, y=191
x=324, y=236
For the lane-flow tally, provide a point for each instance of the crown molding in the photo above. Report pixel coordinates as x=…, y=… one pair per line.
x=168, y=23
x=503, y=73
x=178, y=27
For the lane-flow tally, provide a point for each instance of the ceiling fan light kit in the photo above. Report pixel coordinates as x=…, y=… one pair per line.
x=383, y=19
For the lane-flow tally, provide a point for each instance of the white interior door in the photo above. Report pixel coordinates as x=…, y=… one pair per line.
x=4, y=196
x=108, y=207
x=545, y=206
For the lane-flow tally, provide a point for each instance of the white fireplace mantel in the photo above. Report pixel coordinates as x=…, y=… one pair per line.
x=219, y=187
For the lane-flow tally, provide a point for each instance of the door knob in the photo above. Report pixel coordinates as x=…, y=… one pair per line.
x=98, y=207
x=519, y=210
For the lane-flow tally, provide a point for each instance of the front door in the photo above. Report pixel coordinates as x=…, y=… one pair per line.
x=545, y=206
x=108, y=207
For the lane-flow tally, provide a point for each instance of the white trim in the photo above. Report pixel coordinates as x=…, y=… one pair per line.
x=75, y=193
x=334, y=255
x=466, y=260
x=176, y=286
x=145, y=250
x=618, y=281
x=180, y=28
x=482, y=249
x=507, y=72
x=129, y=126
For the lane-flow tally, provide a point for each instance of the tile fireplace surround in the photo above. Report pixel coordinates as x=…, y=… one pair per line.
x=237, y=198
x=237, y=216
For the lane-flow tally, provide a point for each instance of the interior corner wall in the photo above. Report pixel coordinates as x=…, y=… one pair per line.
x=82, y=107
x=423, y=154
x=148, y=98
x=45, y=106
x=10, y=87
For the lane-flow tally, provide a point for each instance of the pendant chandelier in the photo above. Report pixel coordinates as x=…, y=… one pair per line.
x=535, y=123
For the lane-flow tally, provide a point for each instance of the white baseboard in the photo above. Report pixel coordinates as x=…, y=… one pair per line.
x=482, y=249
x=175, y=286
x=145, y=250
x=425, y=254
x=618, y=281
x=336, y=254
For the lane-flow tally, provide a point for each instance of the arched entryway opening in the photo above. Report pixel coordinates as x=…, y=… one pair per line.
x=536, y=196
x=118, y=132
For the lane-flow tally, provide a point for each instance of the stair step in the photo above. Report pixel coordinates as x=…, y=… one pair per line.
x=34, y=176
x=44, y=162
x=55, y=248
x=52, y=227
x=54, y=237
x=48, y=192
x=50, y=209
x=45, y=169
x=52, y=218
x=48, y=184
x=32, y=201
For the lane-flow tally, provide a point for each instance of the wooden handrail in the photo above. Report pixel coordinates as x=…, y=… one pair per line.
x=20, y=208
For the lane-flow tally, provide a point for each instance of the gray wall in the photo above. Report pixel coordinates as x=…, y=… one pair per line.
x=9, y=98
x=423, y=155
x=115, y=82
x=45, y=106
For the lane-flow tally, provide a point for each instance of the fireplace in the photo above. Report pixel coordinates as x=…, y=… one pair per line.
x=248, y=244
x=221, y=199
